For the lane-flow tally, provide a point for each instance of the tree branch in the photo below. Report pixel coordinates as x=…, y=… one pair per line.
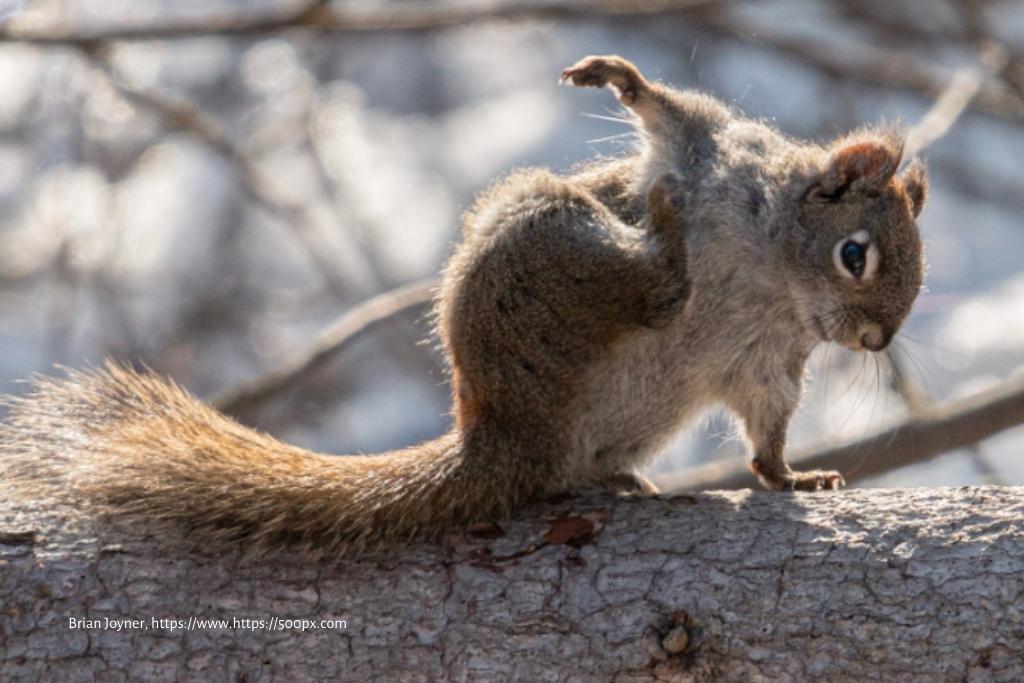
x=963, y=87
x=871, y=64
x=401, y=16
x=936, y=430
x=184, y=116
x=851, y=586
x=338, y=337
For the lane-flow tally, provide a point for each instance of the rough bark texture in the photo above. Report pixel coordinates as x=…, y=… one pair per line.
x=907, y=585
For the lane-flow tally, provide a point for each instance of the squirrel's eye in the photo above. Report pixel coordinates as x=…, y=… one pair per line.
x=854, y=257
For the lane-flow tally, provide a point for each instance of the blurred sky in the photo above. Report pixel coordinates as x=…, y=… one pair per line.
x=122, y=236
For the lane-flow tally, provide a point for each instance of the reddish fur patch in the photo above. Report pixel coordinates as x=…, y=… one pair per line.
x=468, y=406
x=756, y=468
x=901, y=192
x=913, y=187
x=864, y=160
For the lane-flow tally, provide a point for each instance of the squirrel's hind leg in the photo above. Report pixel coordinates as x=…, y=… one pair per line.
x=546, y=293
x=631, y=484
x=625, y=483
x=630, y=87
x=684, y=121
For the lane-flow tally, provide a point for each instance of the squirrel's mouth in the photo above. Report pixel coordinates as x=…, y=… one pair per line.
x=852, y=344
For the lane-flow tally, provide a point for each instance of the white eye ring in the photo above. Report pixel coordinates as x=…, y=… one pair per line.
x=863, y=239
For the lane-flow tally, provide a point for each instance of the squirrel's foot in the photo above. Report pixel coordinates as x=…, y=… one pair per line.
x=815, y=480
x=788, y=480
x=624, y=483
x=608, y=70
x=631, y=484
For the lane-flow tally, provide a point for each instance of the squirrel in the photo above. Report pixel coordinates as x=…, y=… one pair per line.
x=585, y=318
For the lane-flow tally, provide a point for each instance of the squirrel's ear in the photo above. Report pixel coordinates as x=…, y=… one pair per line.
x=915, y=181
x=857, y=167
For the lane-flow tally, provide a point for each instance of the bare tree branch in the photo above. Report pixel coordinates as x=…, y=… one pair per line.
x=184, y=116
x=938, y=429
x=339, y=336
x=405, y=16
x=867, y=64
x=963, y=87
x=988, y=473
x=914, y=396
x=873, y=64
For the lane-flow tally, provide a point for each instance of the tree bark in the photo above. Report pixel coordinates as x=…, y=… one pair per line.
x=898, y=585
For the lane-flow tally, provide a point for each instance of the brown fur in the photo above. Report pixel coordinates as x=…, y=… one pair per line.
x=139, y=446
x=585, y=318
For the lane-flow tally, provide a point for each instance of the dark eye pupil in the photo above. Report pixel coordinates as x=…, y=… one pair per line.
x=853, y=258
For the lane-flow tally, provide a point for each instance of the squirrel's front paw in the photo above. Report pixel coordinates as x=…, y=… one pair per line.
x=814, y=480
x=611, y=70
x=784, y=479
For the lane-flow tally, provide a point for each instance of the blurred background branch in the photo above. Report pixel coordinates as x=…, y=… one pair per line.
x=185, y=116
x=209, y=186
x=340, y=335
x=340, y=18
x=870, y=64
x=936, y=430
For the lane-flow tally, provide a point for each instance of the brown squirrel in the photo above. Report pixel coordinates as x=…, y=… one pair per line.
x=585, y=317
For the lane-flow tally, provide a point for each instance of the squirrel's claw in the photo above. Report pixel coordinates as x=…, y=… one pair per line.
x=816, y=480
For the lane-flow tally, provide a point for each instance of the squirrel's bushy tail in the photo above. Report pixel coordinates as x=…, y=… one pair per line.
x=138, y=447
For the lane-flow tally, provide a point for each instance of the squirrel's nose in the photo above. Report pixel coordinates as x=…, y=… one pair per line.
x=874, y=337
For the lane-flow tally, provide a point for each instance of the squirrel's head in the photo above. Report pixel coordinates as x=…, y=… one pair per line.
x=859, y=255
